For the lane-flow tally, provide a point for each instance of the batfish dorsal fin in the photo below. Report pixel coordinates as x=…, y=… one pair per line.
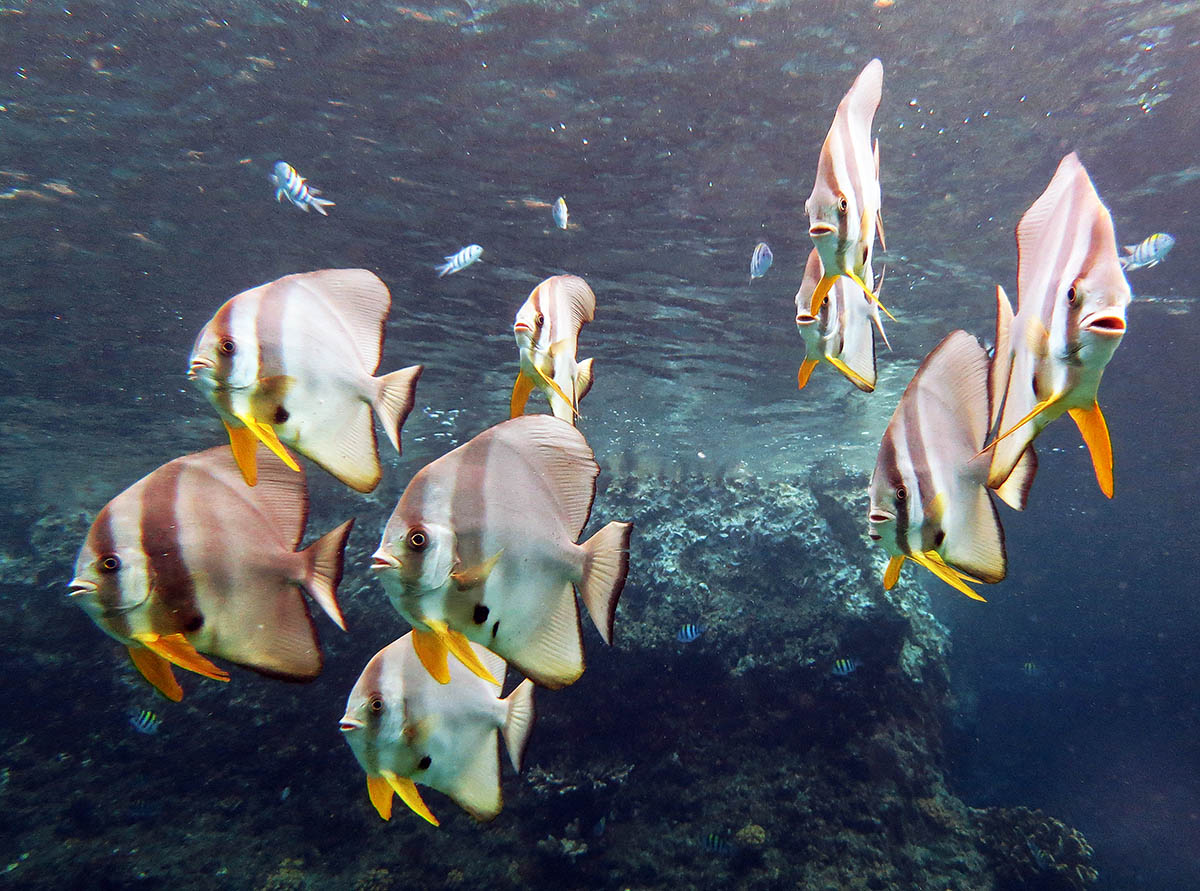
x=864, y=96
x=576, y=295
x=359, y=297
x=280, y=494
x=1002, y=358
x=953, y=385
x=1036, y=225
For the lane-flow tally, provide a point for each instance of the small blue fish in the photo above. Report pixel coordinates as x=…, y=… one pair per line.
x=843, y=667
x=1031, y=669
x=690, y=632
x=460, y=261
x=145, y=722
x=291, y=185
x=1149, y=253
x=560, y=212
x=717, y=843
x=760, y=261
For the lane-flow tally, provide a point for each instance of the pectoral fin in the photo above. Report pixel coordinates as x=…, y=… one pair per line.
x=244, y=443
x=266, y=433
x=805, y=372
x=407, y=790
x=157, y=671
x=933, y=561
x=380, y=794
x=1037, y=410
x=1090, y=422
x=891, y=575
x=178, y=650
x=520, y=395
x=474, y=576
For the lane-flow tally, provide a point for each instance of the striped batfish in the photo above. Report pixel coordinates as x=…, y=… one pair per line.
x=1071, y=299
x=844, y=207
x=840, y=333
x=189, y=560
x=929, y=497
x=291, y=363
x=406, y=728
x=481, y=547
x=547, y=331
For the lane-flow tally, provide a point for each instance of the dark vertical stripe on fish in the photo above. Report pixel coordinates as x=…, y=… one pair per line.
x=104, y=542
x=223, y=325
x=171, y=585
x=887, y=457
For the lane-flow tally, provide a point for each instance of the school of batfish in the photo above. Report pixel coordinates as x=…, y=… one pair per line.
x=481, y=555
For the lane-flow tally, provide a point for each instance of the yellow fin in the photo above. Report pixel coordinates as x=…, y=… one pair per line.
x=550, y=382
x=805, y=372
x=244, y=443
x=476, y=575
x=855, y=378
x=157, y=671
x=819, y=293
x=520, y=395
x=431, y=649
x=266, y=433
x=874, y=297
x=407, y=790
x=891, y=575
x=1037, y=410
x=178, y=650
x=933, y=561
x=380, y=794
x=1094, y=430
x=457, y=643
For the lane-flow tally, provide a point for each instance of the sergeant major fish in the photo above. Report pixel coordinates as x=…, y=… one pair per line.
x=189, y=560
x=405, y=728
x=291, y=185
x=459, y=260
x=929, y=500
x=291, y=362
x=547, y=331
x=1147, y=253
x=844, y=207
x=560, y=212
x=690, y=632
x=145, y=721
x=481, y=546
x=760, y=261
x=1071, y=299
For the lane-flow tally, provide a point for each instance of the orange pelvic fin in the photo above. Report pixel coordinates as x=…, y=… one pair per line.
x=244, y=443
x=1092, y=426
x=407, y=790
x=520, y=395
x=157, y=671
x=805, y=372
x=891, y=575
x=431, y=649
x=178, y=650
x=380, y=794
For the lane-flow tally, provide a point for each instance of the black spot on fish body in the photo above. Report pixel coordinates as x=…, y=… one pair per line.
x=195, y=623
x=481, y=613
x=424, y=763
x=281, y=415
x=495, y=628
x=939, y=537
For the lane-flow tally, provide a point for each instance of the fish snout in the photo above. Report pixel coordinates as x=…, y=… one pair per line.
x=820, y=230
x=1108, y=324
x=347, y=724
x=79, y=587
x=197, y=367
x=381, y=560
x=804, y=318
x=877, y=518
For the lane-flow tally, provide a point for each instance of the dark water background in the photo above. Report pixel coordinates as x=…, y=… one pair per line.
x=135, y=140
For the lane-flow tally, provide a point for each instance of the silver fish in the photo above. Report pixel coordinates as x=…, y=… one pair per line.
x=560, y=212
x=760, y=261
x=291, y=185
x=460, y=260
x=1147, y=253
x=406, y=728
x=547, y=331
x=840, y=333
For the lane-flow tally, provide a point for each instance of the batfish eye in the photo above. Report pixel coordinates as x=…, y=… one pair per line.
x=227, y=346
x=375, y=703
x=417, y=540
x=1072, y=296
x=843, y=204
x=901, y=493
x=541, y=320
x=110, y=563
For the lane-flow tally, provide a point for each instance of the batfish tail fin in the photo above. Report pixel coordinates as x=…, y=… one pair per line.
x=325, y=558
x=518, y=722
x=605, y=567
x=394, y=400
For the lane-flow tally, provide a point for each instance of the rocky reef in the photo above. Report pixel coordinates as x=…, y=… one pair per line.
x=740, y=759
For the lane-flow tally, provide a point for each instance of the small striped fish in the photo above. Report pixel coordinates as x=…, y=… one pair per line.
x=719, y=844
x=291, y=185
x=560, y=212
x=843, y=667
x=460, y=261
x=689, y=632
x=760, y=261
x=1149, y=253
x=145, y=722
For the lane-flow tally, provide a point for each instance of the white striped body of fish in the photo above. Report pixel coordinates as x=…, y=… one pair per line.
x=547, y=332
x=406, y=728
x=840, y=333
x=844, y=207
x=1147, y=253
x=291, y=185
x=481, y=546
x=929, y=500
x=291, y=363
x=190, y=560
x=460, y=260
x=1072, y=296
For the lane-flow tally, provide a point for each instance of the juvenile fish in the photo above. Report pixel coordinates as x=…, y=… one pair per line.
x=690, y=632
x=560, y=212
x=840, y=333
x=1071, y=299
x=1147, y=253
x=481, y=547
x=145, y=722
x=459, y=261
x=406, y=728
x=760, y=261
x=291, y=363
x=844, y=207
x=291, y=185
x=929, y=499
x=190, y=560
x=547, y=332
x=844, y=667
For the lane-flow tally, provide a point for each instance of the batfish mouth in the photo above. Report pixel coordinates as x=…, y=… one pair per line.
x=1107, y=324
x=877, y=518
x=522, y=328
x=817, y=230
x=78, y=588
x=197, y=367
x=804, y=319
x=382, y=560
x=348, y=724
